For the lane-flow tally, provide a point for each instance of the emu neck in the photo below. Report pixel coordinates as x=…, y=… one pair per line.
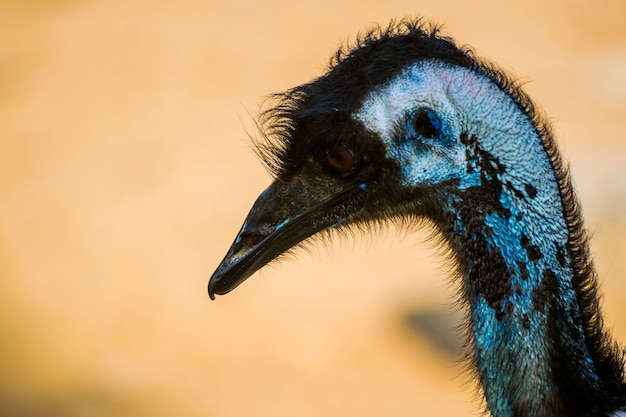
x=493, y=185
x=511, y=239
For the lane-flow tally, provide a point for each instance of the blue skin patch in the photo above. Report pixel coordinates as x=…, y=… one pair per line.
x=362, y=187
x=501, y=154
x=279, y=225
x=434, y=120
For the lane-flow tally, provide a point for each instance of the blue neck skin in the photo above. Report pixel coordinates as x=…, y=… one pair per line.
x=499, y=205
x=517, y=279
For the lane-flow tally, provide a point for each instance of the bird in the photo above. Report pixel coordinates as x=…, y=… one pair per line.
x=406, y=125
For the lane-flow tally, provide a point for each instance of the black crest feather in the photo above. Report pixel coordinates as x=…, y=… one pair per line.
x=375, y=56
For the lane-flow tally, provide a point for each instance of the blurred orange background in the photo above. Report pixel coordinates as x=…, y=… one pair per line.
x=126, y=172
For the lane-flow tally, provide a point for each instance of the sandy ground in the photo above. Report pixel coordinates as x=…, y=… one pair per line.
x=126, y=172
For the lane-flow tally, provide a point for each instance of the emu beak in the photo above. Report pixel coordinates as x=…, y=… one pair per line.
x=283, y=215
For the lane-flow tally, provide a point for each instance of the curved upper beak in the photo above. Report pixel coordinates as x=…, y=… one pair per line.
x=285, y=214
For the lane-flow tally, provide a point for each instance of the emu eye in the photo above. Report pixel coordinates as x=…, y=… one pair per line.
x=341, y=160
x=426, y=124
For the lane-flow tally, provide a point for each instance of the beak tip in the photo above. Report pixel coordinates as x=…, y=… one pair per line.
x=218, y=285
x=212, y=288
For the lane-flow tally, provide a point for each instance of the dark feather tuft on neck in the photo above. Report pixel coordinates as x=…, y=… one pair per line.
x=607, y=355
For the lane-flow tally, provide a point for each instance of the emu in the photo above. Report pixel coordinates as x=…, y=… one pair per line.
x=408, y=125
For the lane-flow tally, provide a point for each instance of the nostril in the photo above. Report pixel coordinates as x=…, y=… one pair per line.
x=247, y=240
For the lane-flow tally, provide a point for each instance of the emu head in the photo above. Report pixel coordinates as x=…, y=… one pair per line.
x=389, y=131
